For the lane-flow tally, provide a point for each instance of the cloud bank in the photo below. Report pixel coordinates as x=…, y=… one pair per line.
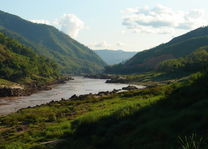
x=163, y=20
x=68, y=23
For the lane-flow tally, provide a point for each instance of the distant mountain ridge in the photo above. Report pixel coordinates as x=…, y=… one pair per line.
x=149, y=60
x=71, y=56
x=112, y=57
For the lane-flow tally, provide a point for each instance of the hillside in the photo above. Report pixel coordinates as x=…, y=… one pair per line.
x=20, y=64
x=168, y=116
x=196, y=61
x=71, y=56
x=149, y=60
x=112, y=57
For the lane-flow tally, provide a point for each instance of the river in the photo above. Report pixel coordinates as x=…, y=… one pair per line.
x=78, y=86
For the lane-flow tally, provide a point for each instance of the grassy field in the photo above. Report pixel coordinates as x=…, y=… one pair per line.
x=31, y=127
x=167, y=116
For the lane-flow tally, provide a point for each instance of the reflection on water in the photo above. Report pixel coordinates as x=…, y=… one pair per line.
x=77, y=86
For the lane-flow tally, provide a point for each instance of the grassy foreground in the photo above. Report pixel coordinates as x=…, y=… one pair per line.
x=171, y=116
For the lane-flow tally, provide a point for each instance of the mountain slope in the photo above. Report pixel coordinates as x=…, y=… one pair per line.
x=112, y=57
x=149, y=60
x=20, y=64
x=71, y=56
x=196, y=61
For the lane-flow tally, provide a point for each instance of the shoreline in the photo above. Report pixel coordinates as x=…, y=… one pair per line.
x=101, y=94
x=110, y=78
x=31, y=89
x=75, y=97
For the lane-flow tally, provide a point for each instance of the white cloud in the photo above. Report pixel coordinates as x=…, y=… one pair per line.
x=68, y=23
x=71, y=24
x=163, y=20
x=106, y=45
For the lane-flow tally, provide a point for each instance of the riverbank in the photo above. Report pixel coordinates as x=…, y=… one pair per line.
x=102, y=94
x=14, y=89
x=78, y=86
x=153, y=118
x=150, y=79
x=49, y=122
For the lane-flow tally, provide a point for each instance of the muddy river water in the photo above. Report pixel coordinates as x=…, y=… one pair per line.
x=78, y=86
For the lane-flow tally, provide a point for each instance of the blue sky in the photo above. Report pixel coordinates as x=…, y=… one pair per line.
x=109, y=24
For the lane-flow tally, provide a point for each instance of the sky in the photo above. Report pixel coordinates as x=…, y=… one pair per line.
x=131, y=25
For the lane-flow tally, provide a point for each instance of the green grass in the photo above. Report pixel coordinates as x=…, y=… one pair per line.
x=50, y=122
x=152, y=118
x=154, y=78
x=191, y=142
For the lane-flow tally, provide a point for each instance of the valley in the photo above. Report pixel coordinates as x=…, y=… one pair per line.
x=57, y=93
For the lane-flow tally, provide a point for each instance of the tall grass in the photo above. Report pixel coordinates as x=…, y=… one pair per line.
x=191, y=142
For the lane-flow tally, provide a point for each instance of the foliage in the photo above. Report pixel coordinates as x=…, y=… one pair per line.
x=71, y=56
x=19, y=63
x=149, y=60
x=191, y=142
x=196, y=61
x=150, y=118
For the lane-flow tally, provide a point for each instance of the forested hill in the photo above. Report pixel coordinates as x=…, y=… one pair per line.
x=112, y=57
x=196, y=61
x=48, y=41
x=20, y=64
x=149, y=60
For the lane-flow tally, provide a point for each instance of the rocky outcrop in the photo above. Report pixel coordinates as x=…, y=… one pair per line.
x=101, y=94
x=117, y=79
x=130, y=87
x=5, y=92
x=98, y=95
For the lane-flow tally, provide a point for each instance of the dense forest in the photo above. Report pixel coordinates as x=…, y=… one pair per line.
x=196, y=61
x=19, y=63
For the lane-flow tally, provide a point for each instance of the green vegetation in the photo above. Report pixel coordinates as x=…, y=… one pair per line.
x=192, y=142
x=196, y=61
x=171, y=115
x=171, y=70
x=71, y=56
x=149, y=119
x=5, y=83
x=149, y=60
x=20, y=64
